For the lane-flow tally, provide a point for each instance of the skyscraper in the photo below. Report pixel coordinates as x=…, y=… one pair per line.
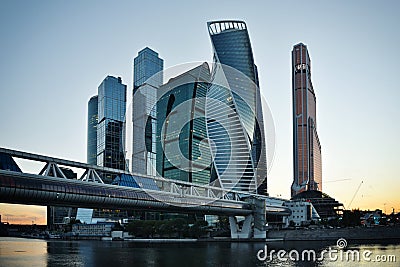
x=111, y=123
x=92, y=130
x=107, y=109
x=83, y=214
x=183, y=153
x=147, y=64
x=147, y=79
x=236, y=126
x=306, y=146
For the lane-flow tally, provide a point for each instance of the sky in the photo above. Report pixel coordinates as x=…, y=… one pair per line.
x=54, y=54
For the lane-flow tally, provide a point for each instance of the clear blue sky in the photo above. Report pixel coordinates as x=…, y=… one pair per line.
x=54, y=54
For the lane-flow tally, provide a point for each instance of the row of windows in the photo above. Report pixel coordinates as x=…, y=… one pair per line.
x=112, y=88
x=39, y=189
x=30, y=191
x=146, y=65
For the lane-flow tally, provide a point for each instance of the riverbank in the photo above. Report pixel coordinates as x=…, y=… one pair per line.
x=356, y=233
x=377, y=233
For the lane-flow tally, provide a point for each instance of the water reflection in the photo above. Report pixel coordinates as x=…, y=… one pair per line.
x=31, y=252
x=22, y=252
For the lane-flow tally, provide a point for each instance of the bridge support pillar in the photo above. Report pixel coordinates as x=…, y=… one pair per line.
x=259, y=233
x=236, y=231
x=259, y=206
x=253, y=224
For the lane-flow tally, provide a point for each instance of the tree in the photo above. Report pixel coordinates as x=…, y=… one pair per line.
x=351, y=218
x=134, y=228
x=198, y=229
x=148, y=229
x=179, y=226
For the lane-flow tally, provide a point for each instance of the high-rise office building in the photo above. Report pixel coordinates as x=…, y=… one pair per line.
x=147, y=78
x=236, y=126
x=92, y=130
x=83, y=214
x=306, y=146
x=147, y=65
x=183, y=153
x=106, y=129
x=111, y=123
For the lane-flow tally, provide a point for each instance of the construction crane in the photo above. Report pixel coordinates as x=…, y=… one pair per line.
x=332, y=181
x=338, y=180
x=358, y=189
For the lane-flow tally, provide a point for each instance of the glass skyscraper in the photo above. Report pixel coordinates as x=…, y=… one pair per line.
x=92, y=130
x=93, y=119
x=106, y=129
x=306, y=146
x=147, y=65
x=111, y=123
x=236, y=125
x=147, y=78
x=183, y=152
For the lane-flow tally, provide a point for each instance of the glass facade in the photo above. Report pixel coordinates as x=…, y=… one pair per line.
x=136, y=182
x=92, y=130
x=148, y=77
x=147, y=65
x=84, y=215
x=184, y=154
x=111, y=125
x=306, y=146
x=240, y=159
x=106, y=133
x=56, y=215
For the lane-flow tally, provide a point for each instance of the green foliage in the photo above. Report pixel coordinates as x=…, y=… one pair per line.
x=351, y=218
x=178, y=228
x=223, y=223
x=145, y=229
x=198, y=229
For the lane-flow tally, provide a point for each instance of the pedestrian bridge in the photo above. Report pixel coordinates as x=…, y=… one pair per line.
x=52, y=186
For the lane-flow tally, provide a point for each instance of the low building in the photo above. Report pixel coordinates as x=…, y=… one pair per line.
x=93, y=230
x=302, y=213
x=326, y=206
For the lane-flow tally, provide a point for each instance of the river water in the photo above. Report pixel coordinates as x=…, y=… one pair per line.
x=35, y=252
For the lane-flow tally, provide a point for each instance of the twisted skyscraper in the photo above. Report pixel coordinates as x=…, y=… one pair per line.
x=233, y=110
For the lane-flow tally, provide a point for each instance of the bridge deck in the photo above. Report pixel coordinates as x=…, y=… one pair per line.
x=21, y=188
